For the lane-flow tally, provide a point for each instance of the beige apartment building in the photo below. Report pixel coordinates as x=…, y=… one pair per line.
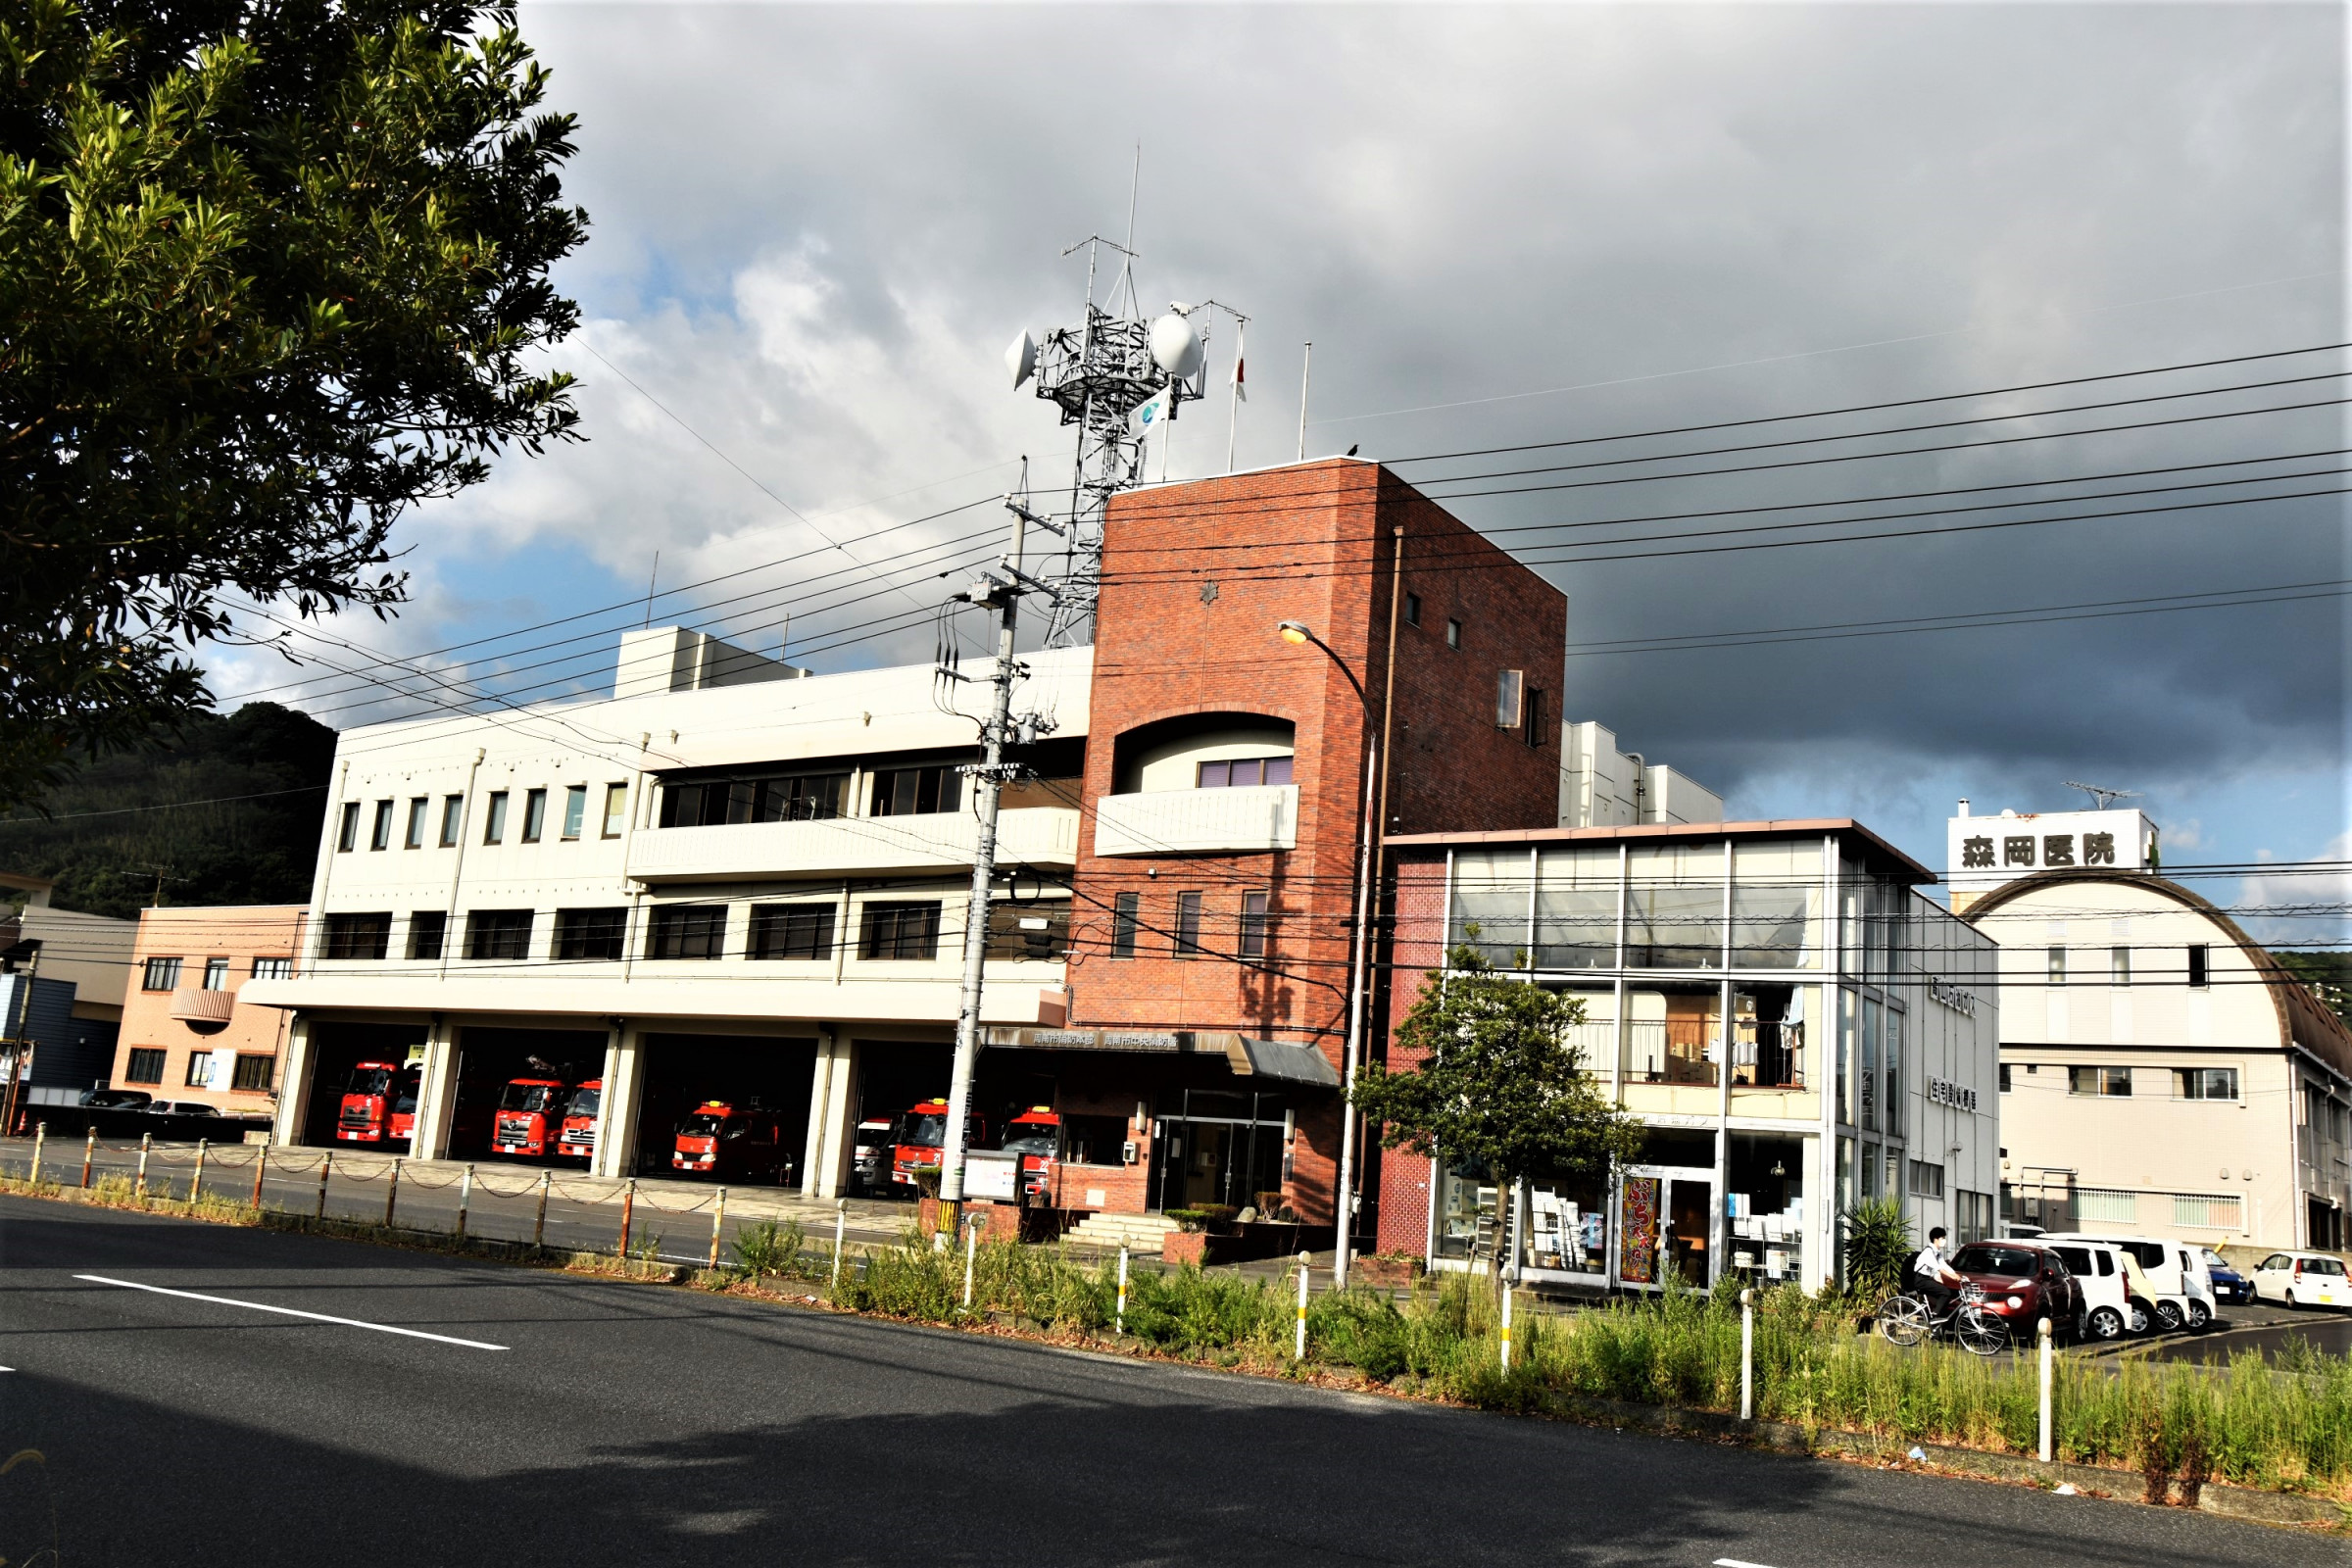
x=2160, y=1071
x=185, y=1034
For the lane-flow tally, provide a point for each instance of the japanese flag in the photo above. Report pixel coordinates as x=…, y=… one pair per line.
x=1241, y=388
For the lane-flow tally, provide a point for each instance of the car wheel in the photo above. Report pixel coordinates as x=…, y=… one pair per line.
x=2105, y=1323
x=2169, y=1316
x=2288, y=1301
x=2200, y=1317
x=2141, y=1322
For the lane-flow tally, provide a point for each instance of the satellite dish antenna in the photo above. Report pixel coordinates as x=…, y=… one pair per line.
x=1176, y=346
x=1021, y=360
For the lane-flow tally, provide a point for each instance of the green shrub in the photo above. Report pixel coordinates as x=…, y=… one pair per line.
x=1878, y=1244
x=770, y=1248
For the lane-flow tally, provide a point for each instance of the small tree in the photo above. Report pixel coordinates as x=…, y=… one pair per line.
x=1501, y=1082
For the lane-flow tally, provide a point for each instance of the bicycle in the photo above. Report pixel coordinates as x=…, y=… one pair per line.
x=1906, y=1319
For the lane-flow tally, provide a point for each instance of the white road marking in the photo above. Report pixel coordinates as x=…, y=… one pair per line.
x=288, y=1311
x=1734, y=1562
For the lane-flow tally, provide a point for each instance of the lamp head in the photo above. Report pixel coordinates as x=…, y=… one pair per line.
x=1295, y=632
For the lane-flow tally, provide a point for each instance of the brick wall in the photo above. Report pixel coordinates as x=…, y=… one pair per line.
x=1195, y=579
x=1416, y=948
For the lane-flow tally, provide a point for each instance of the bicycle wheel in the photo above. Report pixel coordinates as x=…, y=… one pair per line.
x=1980, y=1332
x=1903, y=1320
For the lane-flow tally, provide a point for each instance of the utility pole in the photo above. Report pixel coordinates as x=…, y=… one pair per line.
x=1002, y=593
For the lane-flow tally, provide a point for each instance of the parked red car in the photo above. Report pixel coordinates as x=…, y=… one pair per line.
x=2023, y=1281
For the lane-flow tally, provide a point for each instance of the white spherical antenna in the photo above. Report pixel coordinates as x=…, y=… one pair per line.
x=1175, y=345
x=1021, y=360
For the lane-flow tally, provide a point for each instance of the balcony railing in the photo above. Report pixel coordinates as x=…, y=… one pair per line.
x=1254, y=819
x=850, y=846
x=191, y=1005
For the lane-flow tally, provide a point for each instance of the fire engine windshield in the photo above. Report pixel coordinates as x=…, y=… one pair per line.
x=925, y=1132
x=404, y=1103
x=529, y=1097
x=1028, y=1138
x=584, y=1103
x=705, y=1124
x=370, y=1080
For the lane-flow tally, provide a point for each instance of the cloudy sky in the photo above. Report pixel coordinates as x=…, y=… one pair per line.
x=816, y=227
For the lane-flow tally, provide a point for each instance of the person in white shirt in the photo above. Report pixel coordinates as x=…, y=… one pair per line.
x=1933, y=1277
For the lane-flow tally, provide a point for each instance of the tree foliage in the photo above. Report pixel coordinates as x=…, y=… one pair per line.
x=270, y=273
x=1500, y=1082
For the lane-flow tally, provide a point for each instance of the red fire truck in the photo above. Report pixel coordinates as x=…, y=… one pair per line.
x=578, y=1137
x=922, y=1133
x=1035, y=1136
x=530, y=1116
x=719, y=1138
x=366, y=1115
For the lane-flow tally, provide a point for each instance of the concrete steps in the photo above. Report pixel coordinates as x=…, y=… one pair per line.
x=1138, y=1233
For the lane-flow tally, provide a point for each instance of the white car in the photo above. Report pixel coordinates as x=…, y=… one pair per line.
x=2302, y=1279
x=2177, y=1274
x=2117, y=1298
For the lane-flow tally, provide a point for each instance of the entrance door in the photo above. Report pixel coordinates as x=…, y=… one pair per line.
x=1663, y=1220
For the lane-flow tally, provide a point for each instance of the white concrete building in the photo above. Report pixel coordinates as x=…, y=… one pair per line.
x=1983, y=852
x=734, y=878
x=2160, y=1071
x=1602, y=786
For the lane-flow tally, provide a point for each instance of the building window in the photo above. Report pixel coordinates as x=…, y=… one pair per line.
x=1412, y=610
x=2199, y=1212
x=899, y=931
x=2200, y=966
x=575, y=811
x=274, y=968
x=1534, y=717
x=428, y=932
x=216, y=974
x=162, y=974
x=494, y=821
x=688, y=931
x=2110, y=1083
x=254, y=1074
x=534, y=816
x=792, y=931
x=2057, y=966
x=347, y=837
x=1927, y=1181
x=381, y=838
x=413, y=839
x=2118, y=966
x=1242, y=773
x=453, y=819
x=917, y=791
x=616, y=809
x=2004, y=1077
x=1974, y=1216
x=2107, y=1204
x=200, y=1070
x=1254, y=925
x=1187, y=925
x=785, y=798
x=1032, y=932
x=1453, y=632
x=358, y=936
x=498, y=934
x=1123, y=923
x=2205, y=1083
x=592, y=933
x=1510, y=698
x=146, y=1065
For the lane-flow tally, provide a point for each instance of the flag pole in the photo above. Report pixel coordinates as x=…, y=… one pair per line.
x=1305, y=377
x=1233, y=418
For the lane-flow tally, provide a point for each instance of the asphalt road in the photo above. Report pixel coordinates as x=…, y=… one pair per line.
x=634, y=1425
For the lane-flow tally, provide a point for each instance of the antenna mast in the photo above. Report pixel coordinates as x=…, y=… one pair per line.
x=2102, y=794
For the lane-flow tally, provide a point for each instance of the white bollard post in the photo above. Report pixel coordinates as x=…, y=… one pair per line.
x=841, y=1217
x=718, y=1219
x=971, y=1247
x=465, y=1199
x=2042, y=1333
x=146, y=1144
x=1305, y=1268
x=1119, y=1322
x=1748, y=1355
x=1507, y=1294
x=40, y=1137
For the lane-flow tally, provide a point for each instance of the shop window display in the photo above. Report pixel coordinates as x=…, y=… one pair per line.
x=1766, y=1207
x=1567, y=1226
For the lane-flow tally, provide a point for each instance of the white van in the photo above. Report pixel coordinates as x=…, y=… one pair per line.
x=2177, y=1273
x=2117, y=1295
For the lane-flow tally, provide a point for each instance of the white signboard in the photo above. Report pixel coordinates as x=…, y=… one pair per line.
x=992, y=1173
x=1981, y=852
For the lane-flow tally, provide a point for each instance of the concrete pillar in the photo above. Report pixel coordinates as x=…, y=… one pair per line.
x=829, y=1162
x=820, y=1097
x=437, y=1092
x=616, y=1113
x=294, y=1082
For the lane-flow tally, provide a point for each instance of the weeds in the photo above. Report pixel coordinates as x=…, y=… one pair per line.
x=770, y=1248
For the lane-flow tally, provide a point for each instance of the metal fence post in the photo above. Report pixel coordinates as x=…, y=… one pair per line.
x=392, y=1192
x=841, y=1219
x=146, y=1143
x=1306, y=1263
x=971, y=1248
x=40, y=1137
x=719, y=1217
x=196, y=1181
x=1748, y=1355
x=2042, y=1333
x=327, y=1161
x=628, y=1210
x=465, y=1199
x=89, y=1151
x=539, y=1225
x=1120, y=1322
x=260, y=1163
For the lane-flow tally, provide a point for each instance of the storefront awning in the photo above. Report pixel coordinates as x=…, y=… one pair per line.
x=1280, y=1059
x=1247, y=1058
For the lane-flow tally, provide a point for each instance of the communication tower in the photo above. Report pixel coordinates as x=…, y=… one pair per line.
x=1117, y=377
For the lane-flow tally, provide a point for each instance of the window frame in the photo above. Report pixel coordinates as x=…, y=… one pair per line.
x=281, y=967
x=347, y=834
x=2055, y=974
x=681, y=927
x=1453, y=632
x=420, y=813
x=875, y=913
x=494, y=816
x=193, y=1080
x=491, y=933
x=428, y=935
x=2183, y=1077
x=575, y=814
x=1536, y=727
x=137, y=1064
x=2119, y=967
x=589, y=934
x=1256, y=937
x=338, y=929
x=777, y=928
x=244, y=1071
x=168, y=967
x=452, y=820
x=380, y=836
x=617, y=810
x=216, y=975
x=1187, y=925
x=534, y=816
x=1510, y=698
x=2200, y=966
x=2103, y=1079
x=1412, y=610
x=1126, y=919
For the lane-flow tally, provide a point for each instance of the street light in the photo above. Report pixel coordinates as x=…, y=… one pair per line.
x=1298, y=632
